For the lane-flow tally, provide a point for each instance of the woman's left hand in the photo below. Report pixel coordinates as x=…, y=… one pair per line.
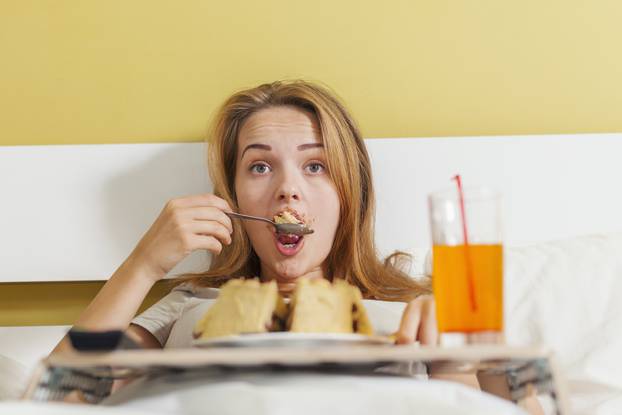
x=418, y=322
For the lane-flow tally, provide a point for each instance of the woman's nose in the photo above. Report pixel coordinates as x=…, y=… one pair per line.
x=288, y=192
x=288, y=187
x=288, y=181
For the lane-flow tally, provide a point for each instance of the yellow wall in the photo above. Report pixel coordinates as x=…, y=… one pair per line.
x=151, y=70
x=74, y=71
x=55, y=303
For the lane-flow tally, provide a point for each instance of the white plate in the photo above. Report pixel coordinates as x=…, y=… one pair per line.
x=286, y=339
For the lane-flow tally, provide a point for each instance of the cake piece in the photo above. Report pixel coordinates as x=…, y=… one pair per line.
x=317, y=306
x=360, y=320
x=243, y=306
x=287, y=216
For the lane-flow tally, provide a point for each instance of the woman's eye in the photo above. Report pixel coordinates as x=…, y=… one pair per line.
x=259, y=168
x=315, y=168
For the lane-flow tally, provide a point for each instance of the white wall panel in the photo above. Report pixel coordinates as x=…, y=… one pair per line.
x=75, y=212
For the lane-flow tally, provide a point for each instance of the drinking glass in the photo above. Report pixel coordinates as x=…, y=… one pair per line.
x=467, y=263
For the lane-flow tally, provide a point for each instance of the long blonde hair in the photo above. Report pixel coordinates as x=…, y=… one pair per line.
x=353, y=256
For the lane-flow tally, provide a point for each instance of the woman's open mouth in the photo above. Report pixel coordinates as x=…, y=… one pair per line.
x=289, y=245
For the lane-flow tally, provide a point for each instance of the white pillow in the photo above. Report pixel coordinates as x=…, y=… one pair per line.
x=566, y=295
x=13, y=376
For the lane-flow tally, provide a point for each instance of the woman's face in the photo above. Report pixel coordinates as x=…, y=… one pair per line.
x=281, y=165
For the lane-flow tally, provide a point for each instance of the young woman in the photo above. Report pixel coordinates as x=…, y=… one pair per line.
x=281, y=146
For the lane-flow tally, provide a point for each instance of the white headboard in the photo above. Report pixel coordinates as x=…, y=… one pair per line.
x=75, y=212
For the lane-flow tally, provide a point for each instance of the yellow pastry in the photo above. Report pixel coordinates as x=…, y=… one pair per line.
x=243, y=306
x=317, y=306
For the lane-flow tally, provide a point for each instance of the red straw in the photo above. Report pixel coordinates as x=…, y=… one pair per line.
x=469, y=265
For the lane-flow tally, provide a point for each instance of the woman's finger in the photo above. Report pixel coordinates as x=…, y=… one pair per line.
x=205, y=200
x=428, y=330
x=211, y=228
x=409, y=325
x=202, y=213
x=208, y=243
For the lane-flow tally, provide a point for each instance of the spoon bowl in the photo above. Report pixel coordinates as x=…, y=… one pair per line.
x=282, y=228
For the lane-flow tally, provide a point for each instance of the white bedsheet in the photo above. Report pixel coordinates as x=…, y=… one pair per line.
x=306, y=393
x=566, y=295
x=50, y=408
x=13, y=377
x=293, y=394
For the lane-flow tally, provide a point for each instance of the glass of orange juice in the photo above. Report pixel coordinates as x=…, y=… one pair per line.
x=467, y=264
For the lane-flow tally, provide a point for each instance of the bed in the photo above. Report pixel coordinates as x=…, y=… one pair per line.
x=562, y=234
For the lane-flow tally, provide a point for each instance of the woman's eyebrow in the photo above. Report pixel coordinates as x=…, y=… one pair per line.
x=266, y=147
x=310, y=145
x=257, y=146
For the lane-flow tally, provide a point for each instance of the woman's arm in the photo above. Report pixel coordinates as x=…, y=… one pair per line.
x=116, y=304
x=184, y=225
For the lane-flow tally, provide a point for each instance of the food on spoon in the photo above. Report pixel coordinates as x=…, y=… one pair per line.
x=288, y=216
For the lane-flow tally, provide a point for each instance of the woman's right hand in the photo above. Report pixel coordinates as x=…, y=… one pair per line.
x=184, y=225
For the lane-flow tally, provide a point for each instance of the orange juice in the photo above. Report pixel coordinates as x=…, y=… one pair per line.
x=455, y=310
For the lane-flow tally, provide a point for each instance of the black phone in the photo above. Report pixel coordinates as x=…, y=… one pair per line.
x=100, y=341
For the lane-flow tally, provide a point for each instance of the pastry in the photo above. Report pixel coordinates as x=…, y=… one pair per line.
x=243, y=306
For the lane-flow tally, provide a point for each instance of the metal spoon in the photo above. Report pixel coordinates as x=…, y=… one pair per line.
x=283, y=228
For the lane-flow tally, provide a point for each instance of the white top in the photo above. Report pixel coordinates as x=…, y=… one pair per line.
x=172, y=319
